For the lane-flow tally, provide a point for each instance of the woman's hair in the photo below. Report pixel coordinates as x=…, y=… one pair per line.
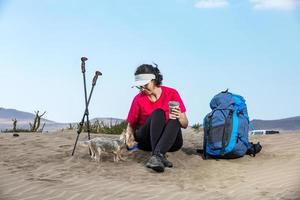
x=150, y=69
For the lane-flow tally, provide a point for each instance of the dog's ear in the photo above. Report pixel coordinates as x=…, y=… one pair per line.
x=123, y=135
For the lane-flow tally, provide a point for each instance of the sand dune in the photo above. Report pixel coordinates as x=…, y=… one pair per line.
x=39, y=166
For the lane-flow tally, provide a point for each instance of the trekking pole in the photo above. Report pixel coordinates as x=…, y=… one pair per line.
x=79, y=130
x=83, y=59
x=87, y=101
x=97, y=73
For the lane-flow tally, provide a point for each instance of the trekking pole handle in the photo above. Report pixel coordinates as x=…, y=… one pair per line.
x=83, y=59
x=97, y=73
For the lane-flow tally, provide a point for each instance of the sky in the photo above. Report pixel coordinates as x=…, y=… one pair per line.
x=202, y=47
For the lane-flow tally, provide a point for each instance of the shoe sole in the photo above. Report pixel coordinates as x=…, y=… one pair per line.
x=156, y=168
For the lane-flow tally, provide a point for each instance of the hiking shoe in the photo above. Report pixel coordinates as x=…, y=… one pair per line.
x=165, y=161
x=156, y=164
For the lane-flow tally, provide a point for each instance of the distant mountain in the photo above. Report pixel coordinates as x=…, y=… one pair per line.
x=24, y=118
x=288, y=124
x=9, y=114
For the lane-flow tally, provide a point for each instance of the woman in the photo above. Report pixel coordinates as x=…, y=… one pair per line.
x=149, y=122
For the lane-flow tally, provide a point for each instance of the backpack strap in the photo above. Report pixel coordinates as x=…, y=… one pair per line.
x=251, y=126
x=223, y=138
x=229, y=117
x=206, y=133
x=204, y=146
x=225, y=91
x=254, y=149
x=244, y=142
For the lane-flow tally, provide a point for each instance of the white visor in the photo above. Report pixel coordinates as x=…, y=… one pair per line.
x=142, y=79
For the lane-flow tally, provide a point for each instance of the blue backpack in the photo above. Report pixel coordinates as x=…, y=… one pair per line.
x=226, y=127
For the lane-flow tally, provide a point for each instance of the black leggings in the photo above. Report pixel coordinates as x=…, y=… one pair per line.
x=157, y=136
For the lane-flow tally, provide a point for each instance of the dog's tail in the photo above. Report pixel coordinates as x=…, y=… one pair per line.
x=87, y=142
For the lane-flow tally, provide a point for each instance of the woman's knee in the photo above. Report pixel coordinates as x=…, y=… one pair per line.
x=174, y=123
x=159, y=113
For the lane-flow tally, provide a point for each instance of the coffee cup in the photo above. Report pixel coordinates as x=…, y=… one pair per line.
x=172, y=105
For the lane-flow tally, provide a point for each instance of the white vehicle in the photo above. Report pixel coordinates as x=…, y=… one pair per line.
x=262, y=132
x=258, y=132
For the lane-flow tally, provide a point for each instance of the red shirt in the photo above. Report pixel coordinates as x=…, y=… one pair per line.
x=142, y=107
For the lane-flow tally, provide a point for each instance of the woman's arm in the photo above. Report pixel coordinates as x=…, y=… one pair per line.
x=183, y=120
x=129, y=136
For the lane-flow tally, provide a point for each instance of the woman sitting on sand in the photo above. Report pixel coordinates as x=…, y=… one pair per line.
x=150, y=123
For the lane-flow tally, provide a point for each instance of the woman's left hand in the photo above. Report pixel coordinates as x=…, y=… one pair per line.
x=176, y=113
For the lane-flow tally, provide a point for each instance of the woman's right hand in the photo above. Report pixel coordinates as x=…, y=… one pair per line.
x=129, y=136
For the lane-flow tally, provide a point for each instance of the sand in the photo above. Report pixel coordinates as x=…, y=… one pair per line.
x=40, y=166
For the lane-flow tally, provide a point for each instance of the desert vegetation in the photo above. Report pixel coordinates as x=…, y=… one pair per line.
x=33, y=127
x=197, y=127
x=105, y=128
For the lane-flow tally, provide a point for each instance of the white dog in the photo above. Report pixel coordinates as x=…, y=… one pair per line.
x=101, y=145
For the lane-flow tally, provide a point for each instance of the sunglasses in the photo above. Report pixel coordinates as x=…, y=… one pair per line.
x=143, y=87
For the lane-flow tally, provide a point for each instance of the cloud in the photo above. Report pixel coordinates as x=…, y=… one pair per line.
x=275, y=4
x=211, y=3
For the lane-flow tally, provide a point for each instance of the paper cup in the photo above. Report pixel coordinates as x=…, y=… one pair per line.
x=172, y=105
